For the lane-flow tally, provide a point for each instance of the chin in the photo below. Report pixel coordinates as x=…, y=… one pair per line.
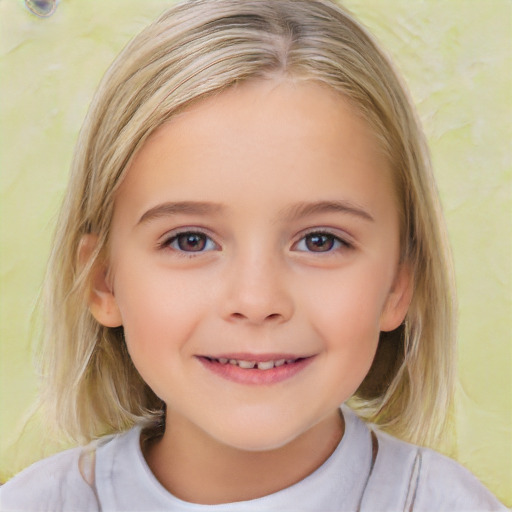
x=257, y=436
x=257, y=442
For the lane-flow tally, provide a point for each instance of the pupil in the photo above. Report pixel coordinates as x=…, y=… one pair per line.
x=319, y=242
x=191, y=242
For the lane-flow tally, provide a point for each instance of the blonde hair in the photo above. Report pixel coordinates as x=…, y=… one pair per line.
x=199, y=48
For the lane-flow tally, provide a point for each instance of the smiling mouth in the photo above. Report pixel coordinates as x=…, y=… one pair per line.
x=259, y=365
x=256, y=369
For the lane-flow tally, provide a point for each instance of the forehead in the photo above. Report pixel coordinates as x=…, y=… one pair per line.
x=280, y=138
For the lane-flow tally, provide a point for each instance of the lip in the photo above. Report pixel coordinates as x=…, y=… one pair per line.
x=255, y=376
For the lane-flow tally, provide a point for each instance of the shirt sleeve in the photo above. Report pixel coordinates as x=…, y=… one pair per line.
x=51, y=485
x=444, y=485
x=409, y=478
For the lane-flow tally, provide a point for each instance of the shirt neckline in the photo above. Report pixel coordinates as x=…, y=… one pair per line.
x=125, y=479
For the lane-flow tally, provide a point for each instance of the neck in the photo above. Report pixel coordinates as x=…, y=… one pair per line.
x=196, y=468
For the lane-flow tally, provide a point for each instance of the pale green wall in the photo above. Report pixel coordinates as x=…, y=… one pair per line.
x=456, y=56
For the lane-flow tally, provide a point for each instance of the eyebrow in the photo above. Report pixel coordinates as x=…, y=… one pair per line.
x=306, y=209
x=183, y=207
x=294, y=212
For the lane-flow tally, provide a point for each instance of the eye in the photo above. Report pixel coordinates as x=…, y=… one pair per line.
x=320, y=242
x=190, y=241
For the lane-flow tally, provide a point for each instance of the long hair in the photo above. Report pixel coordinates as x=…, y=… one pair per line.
x=196, y=49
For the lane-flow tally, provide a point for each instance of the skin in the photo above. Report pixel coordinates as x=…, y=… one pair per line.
x=255, y=280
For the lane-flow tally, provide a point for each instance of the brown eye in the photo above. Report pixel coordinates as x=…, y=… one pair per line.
x=191, y=242
x=319, y=242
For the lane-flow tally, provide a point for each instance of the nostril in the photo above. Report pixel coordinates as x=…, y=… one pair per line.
x=241, y=316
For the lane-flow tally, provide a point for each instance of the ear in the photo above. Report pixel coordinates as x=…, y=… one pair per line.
x=398, y=300
x=102, y=302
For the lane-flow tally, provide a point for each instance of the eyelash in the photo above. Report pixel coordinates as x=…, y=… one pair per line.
x=337, y=243
x=168, y=242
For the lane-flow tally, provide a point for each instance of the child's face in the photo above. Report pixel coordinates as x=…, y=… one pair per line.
x=259, y=225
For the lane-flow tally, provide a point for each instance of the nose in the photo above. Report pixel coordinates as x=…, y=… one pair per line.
x=257, y=291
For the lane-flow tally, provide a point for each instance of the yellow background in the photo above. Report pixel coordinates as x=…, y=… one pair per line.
x=456, y=56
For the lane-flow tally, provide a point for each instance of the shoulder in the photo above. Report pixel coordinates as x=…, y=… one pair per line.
x=52, y=484
x=452, y=485
x=424, y=480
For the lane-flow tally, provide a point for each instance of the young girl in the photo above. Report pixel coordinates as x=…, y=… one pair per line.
x=251, y=237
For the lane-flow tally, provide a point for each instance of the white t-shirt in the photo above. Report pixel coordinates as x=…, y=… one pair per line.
x=403, y=478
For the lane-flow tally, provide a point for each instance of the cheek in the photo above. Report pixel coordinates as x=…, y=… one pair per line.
x=348, y=304
x=345, y=312
x=159, y=316
x=150, y=299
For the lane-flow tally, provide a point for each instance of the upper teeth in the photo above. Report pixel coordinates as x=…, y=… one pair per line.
x=261, y=365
